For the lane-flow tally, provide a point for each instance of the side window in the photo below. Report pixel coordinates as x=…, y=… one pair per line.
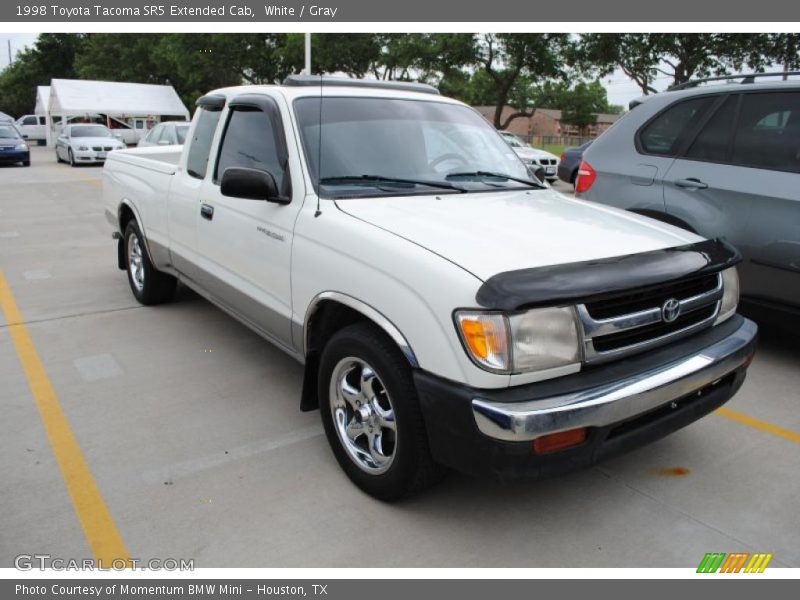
x=42, y=120
x=252, y=140
x=768, y=132
x=153, y=135
x=711, y=144
x=29, y=121
x=663, y=134
x=197, y=161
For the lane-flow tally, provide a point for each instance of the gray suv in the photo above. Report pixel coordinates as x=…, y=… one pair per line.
x=720, y=160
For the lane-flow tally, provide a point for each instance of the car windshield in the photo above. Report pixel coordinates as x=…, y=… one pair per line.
x=513, y=141
x=90, y=131
x=359, y=147
x=181, y=131
x=8, y=132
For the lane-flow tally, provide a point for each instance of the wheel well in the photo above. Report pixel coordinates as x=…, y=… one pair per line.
x=328, y=317
x=664, y=218
x=125, y=216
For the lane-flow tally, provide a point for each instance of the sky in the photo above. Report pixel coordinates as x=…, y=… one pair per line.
x=621, y=89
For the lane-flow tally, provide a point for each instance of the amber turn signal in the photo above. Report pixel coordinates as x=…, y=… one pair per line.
x=559, y=441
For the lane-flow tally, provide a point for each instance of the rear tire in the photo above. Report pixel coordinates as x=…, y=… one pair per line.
x=26, y=163
x=148, y=284
x=371, y=414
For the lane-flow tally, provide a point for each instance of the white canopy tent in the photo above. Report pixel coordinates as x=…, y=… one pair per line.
x=77, y=97
x=42, y=99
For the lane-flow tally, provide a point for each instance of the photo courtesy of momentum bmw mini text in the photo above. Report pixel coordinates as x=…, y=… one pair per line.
x=411, y=299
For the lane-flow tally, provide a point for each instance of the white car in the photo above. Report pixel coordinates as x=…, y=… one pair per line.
x=449, y=311
x=33, y=127
x=171, y=133
x=533, y=156
x=86, y=143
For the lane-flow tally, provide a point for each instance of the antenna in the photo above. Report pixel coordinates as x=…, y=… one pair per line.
x=319, y=151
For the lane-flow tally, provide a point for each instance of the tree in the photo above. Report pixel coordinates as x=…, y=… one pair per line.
x=513, y=59
x=51, y=57
x=644, y=57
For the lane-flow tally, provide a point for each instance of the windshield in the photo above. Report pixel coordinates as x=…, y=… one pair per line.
x=380, y=147
x=513, y=140
x=90, y=131
x=180, y=132
x=8, y=132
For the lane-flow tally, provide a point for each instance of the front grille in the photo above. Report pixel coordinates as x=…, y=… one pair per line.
x=97, y=148
x=647, y=298
x=107, y=148
x=635, y=320
x=649, y=332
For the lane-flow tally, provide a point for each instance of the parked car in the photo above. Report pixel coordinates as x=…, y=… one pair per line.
x=449, y=311
x=721, y=161
x=33, y=128
x=533, y=156
x=570, y=161
x=171, y=133
x=86, y=144
x=13, y=149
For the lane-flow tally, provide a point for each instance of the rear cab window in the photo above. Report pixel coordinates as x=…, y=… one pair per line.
x=200, y=147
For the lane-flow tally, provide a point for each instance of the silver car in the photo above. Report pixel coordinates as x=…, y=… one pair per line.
x=720, y=160
x=86, y=143
x=171, y=133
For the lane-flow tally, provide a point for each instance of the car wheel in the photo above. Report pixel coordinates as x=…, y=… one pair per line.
x=71, y=157
x=371, y=414
x=26, y=163
x=148, y=284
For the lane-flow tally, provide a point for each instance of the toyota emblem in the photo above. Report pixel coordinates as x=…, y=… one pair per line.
x=671, y=310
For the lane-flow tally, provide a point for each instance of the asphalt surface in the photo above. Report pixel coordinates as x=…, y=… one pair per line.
x=190, y=429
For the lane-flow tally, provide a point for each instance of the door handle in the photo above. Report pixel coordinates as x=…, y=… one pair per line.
x=691, y=183
x=207, y=211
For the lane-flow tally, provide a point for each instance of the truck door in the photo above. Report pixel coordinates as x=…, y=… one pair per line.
x=738, y=179
x=183, y=205
x=245, y=245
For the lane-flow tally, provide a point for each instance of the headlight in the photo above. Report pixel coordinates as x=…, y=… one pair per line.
x=22, y=146
x=538, y=339
x=730, y=294
x=83, y=148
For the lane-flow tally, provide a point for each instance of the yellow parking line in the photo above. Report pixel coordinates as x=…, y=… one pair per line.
x=749, y=421
x=101, y=533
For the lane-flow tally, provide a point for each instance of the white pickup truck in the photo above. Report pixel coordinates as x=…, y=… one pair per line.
x=449, y=310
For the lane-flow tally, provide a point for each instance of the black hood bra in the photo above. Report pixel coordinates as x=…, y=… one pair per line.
x=592, y=280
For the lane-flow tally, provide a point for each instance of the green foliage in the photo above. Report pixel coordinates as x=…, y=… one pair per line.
x=52, y=57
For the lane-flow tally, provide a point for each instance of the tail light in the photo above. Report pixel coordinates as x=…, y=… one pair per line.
x=586, y=177
x=563, y=156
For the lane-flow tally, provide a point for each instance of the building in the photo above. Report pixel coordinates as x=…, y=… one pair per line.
x=546, y=122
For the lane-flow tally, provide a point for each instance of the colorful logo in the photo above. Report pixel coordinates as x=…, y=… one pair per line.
x=719, y=562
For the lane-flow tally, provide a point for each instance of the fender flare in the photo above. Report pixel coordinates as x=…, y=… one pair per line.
x=368, y=311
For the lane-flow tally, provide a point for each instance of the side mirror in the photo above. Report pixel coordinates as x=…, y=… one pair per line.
x=117, y=135
x=538, y=173
x=251, y=184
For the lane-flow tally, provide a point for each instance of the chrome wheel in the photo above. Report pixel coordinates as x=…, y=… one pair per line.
x=363, y=415
x=135, y=262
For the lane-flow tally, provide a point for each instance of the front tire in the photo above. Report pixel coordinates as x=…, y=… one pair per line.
x=71, y=158
x=148, y=284
x=371, y=414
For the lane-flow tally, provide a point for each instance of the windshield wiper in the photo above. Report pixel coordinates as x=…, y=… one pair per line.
x=345, y=179
x=498, y=176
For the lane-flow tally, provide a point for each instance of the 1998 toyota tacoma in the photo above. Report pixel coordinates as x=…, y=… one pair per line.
x=450, y=310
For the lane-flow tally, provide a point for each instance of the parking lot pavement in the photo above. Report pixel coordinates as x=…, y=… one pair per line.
x=190, y=429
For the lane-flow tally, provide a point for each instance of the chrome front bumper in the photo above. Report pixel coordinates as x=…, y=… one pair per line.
x=619, y=401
